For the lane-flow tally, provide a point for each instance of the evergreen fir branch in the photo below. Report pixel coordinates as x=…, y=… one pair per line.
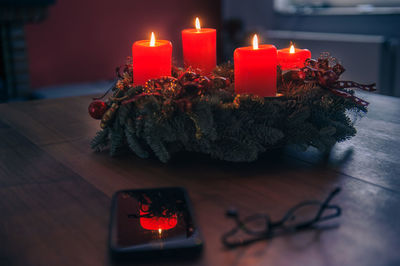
x=123, y=114
x=225, y=126
x=134, y=144
x=101, y=140
x=272, y=135
x=153, y=139
x=116, y=139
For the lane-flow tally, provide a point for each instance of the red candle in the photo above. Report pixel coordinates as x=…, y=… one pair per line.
x=291, y=58
x=151, y=59
x=199, y=48
x=156, y=222
x=255, y=69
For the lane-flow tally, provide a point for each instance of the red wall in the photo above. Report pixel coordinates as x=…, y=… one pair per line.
x=84, y=40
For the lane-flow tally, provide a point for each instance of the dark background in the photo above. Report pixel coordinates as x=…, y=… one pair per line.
x=71, y=47
x=84, y=40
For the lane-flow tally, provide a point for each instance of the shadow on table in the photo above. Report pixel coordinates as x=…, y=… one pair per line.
x=273, y=160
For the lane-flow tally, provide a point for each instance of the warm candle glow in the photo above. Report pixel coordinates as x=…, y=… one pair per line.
x=151, y=59
x=159, y=231
x=152, y=39
x=292, y=58
x=199, y=48
x=255, y=69
x=291, y=50
x=255, y=42
x=198, y=28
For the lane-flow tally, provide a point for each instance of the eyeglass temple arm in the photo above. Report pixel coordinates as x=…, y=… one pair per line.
x=324, y=206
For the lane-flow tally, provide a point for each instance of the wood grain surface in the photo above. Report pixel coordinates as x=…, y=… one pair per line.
x=55, y=192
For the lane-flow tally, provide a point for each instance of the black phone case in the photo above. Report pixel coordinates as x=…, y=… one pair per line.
x=189, y=247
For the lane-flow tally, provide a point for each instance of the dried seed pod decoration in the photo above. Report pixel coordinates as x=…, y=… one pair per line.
x=168, y=83
x=327, y=78
x=236, y=101
x=323, y=63
x=338, y=69
x=109, y=115
x=187, y=76
x=204, y=82
x=294, y=75
x=312, y=63
x=220, y=82
x=190, y=89
x=309, y=73
x=119, y=85
x=198, y=133
x=165, y=85
x=151, y=86
x=225, y=70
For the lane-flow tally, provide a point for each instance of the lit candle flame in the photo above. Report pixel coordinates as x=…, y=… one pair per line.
x=255, y=42
x=198, y=28
x=291, y=50
x=152, y=39
x=159, y=231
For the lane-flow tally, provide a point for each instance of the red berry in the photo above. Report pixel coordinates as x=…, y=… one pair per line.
x=97, y=109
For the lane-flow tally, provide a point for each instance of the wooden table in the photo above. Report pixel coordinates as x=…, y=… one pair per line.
x=55, y=192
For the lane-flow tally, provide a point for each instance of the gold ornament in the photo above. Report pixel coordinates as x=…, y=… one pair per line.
x=109, y=115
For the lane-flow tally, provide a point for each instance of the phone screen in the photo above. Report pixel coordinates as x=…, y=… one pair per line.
x=151, y=216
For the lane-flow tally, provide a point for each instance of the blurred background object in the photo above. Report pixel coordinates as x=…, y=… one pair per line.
x=81, y=42
x=363, y=34
x=71, y=47
x=14, y=71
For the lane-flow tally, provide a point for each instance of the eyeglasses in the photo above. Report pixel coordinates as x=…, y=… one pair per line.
x=259, y=226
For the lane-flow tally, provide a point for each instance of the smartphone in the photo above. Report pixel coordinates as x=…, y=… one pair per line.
x=149, y=222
